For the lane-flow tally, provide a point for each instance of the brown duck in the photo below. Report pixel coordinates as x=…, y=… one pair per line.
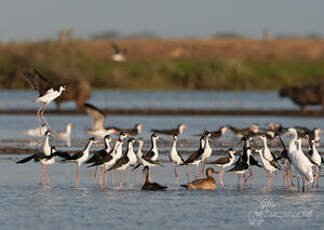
x=208, y=183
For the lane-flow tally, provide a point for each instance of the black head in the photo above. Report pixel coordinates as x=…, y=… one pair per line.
x=131, y=140
x=47, y=133
x=154, y=136
x=93, y=140
x=122, y=135
x=107, y=137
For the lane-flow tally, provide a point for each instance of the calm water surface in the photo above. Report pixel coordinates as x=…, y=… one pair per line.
x=27, y=205
x=12, y=99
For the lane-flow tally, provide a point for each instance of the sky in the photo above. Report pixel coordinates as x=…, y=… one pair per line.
x=41, y=19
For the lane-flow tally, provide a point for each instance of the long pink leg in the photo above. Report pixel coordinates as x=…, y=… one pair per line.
x=105, y=178
x=251, y=173
x=42, y=114
x=46, y=173
x=121, y=179
x=220, y=176
x=100, y=176
x=41, y=174
x=77, y=181
x=38, y=116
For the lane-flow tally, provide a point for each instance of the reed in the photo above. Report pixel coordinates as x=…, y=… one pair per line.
x=191, y=64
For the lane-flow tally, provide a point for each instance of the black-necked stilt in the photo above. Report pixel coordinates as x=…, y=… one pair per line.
x=175, y=158
x=100, y=154
x=149, y=186
x=252, y=161
x=269, y=166
x=208, y=183
x=98, y=116
x=130, y=132
x=195, y=157
x=242, y=166
x=46, y=157
x=109, y=159
x=117, y=56
x=143, y=160
x=224, y=162
x=267, y=154
x=124, y=162
x=207, y=152
x=146, y=160
x=153, y=154
x=177, y=131
x=47, y=92
x=80, y=157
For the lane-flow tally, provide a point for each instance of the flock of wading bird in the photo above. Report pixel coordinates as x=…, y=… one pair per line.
x=292, y=159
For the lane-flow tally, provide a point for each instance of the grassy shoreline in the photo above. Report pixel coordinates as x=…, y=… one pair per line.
x=192, y=64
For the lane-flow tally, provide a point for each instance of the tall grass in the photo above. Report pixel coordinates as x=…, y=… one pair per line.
x=220, y=64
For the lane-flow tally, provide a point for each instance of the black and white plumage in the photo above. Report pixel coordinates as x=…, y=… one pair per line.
x=153, y=154
x=224, y=162
x=100, y=154
x=117, y=56
x=242, y=167
x=46, y=89
x=124, y=162
x=269, y=166
x=80, y=157
x=98, y=117
x=175, y=157
x=195, y=157
x=109, y=159
x=46, y=159
x=144, y=159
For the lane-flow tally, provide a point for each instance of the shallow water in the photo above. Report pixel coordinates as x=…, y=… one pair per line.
x=13, y=99
x=26, y=204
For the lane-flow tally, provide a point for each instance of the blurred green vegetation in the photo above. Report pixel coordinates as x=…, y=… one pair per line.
x=91, y=61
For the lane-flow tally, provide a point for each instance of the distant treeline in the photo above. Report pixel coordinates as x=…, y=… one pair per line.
x=195, y=64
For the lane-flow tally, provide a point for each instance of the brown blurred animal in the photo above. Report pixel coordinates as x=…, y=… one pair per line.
x=79, y=91
x=310, y=94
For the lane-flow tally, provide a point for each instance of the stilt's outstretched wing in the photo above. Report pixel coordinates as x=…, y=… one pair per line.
x=97, y=115
x=38, y=81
